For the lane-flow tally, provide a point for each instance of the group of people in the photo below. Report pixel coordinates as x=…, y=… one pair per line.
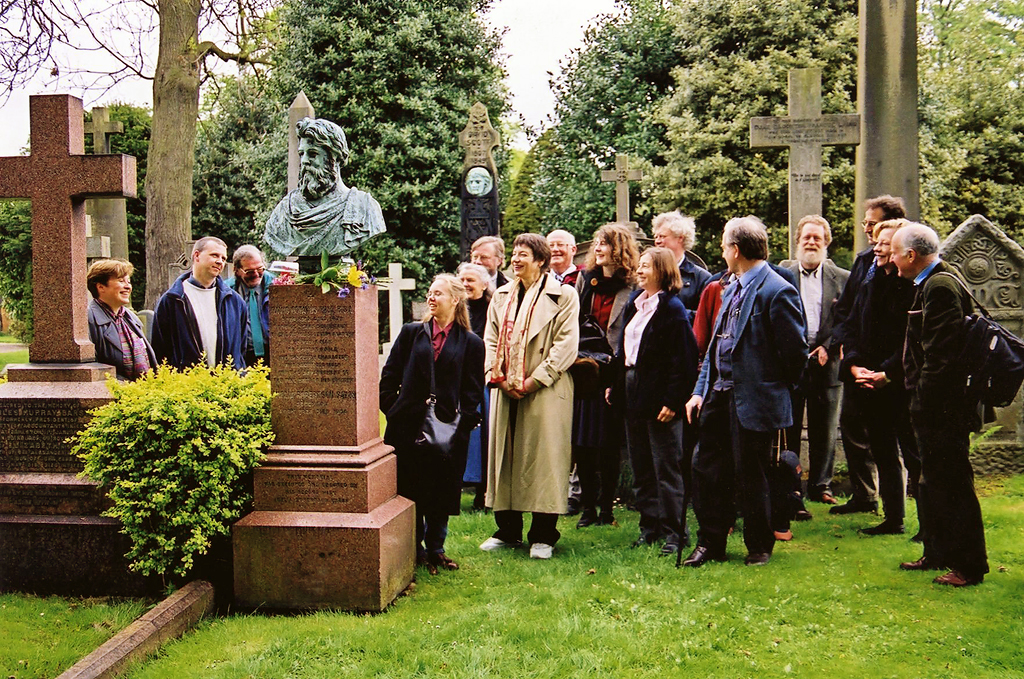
x=705, y=385
x=200, y=319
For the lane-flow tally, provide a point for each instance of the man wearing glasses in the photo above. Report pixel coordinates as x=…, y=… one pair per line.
x=252, y=282
x=852, y=425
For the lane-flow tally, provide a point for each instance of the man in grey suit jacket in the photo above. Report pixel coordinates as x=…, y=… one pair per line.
x=820, y=390
x=755, y=357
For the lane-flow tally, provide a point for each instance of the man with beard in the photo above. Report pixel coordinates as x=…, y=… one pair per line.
x=820, y=284
x=322, y=214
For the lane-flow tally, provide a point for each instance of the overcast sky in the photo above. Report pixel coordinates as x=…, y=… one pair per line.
x=540, y=33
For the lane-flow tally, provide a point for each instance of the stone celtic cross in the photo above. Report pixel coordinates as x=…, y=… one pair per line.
x=804, y=131
x=57, y=178
x=621, y=175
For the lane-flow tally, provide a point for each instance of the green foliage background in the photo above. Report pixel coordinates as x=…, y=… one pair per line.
x=173, y=450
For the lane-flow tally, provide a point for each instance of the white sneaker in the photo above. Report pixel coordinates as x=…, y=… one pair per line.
x=492, y=544
x=539, y=550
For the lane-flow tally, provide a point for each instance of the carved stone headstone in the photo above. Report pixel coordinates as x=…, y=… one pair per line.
x=622, y=175
x=479, y=186
x=993, y=264
x=109, y=216
x=804, y=131
x=887, y=158
x=328, y=530
x=54, y=540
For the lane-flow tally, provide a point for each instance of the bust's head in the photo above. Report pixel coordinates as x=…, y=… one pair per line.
x=323, y=149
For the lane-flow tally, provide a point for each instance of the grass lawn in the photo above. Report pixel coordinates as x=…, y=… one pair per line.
x=13, y=357
x=831, y=603
x=42, y=637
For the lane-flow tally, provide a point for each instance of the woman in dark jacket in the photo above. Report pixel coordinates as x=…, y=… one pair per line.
x=604, y=288
x=657, y=359
x=873, y=367
x=442, y=344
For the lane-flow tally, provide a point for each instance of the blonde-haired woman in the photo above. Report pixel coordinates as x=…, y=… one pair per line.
x=439, y=356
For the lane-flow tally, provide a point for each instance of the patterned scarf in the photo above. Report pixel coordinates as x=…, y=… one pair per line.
x=134, y=358
x=510, y=358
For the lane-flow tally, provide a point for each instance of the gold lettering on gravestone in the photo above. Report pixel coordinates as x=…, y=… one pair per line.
x=33, y=434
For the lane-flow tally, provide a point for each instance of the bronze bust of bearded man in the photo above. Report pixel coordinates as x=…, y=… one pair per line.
x=322, y=214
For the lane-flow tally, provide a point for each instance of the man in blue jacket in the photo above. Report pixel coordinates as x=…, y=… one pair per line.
x=200, y=316
x=757, y=352
x=252, y=282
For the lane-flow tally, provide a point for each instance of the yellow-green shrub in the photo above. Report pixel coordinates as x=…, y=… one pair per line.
x=172, y=450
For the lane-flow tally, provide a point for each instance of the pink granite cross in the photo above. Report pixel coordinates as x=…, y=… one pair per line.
x=57, y=178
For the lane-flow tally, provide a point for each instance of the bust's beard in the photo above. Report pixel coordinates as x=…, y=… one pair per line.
x=315, y=183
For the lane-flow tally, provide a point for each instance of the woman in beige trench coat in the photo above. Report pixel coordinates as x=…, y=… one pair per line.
x=532, y=338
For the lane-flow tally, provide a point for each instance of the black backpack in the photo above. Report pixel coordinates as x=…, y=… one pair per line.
x=993, y=358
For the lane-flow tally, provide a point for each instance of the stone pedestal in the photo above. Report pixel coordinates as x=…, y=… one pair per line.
x=54, y=539
x=328, y=530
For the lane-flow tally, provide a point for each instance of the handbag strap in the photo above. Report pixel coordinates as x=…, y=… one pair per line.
x=970, y=294
x=458, y=372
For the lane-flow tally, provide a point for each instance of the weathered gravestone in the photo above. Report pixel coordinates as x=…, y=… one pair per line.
x=109, y=216
x=328, y=530
x=992, y=265
x=887, y=158
x=804, y=131
x=53, y=540
x=479, y=187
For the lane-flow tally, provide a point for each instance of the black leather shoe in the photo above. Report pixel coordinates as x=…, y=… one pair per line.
x=855, y=507
x=573, y=508
x=884, y=528
x=700, y=556
x=922, y=564
x=668, y=549
x=757, y=558
x=802, y=515
x=644, y=541
x=587, y=518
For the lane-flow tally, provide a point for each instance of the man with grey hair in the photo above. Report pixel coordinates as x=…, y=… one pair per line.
x=322, y=214
x=757, y=352
x=489, y=252
x=563, y=249
x=201, y=319
x=252, y=282
x=820, y=283
x=951, y=525
x=676, y=232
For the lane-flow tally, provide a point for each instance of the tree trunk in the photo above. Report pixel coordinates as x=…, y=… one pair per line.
x=172, y=144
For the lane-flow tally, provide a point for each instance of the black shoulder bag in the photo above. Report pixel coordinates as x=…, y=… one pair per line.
x=437, y=437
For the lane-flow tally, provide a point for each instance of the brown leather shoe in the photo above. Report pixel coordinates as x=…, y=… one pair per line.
x=957, y=579
x=827, y=498
x=700, y=556
x=922, y=564
x=435, y=561
x=784, y=535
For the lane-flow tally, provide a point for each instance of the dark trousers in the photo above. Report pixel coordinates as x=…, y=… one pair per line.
x=543, y=529
x=656, y=456
x=888, y=424
x=853, y=426
x=821, y=399
x=431, y=531
x=598, y=469
x=728, y=459
x=951, y=526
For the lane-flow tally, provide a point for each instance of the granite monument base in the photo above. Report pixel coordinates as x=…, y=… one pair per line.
x=54, y=539
x=329, y=531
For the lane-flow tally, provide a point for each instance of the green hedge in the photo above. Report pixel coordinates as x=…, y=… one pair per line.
x=174, y=451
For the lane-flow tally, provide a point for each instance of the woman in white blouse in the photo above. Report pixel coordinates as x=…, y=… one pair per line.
x=658, y=366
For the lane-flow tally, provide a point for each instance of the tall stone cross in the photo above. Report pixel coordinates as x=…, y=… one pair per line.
x=109, y=216
x=804, y=131
x=395, y=288
x=57, y=178
x=101, y=127
x=621, y=175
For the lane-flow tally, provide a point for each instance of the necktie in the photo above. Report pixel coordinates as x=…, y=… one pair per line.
x=255, y=327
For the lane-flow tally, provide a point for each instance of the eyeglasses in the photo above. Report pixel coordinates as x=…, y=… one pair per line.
x=259, y=270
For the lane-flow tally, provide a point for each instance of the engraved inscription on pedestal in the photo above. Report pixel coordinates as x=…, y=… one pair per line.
x=32, y=434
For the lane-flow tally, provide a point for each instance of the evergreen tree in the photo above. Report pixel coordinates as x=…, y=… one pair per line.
x=399, y=76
